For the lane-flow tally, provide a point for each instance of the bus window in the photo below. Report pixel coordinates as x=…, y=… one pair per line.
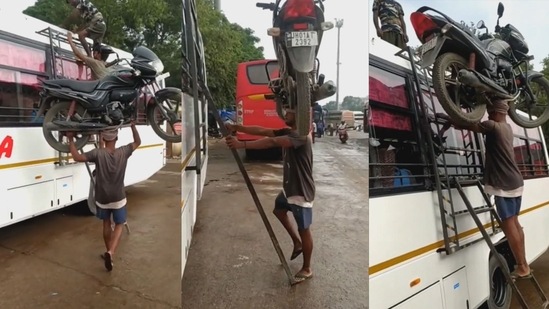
x=22, y=57
x=19, y=97
x=73, y=70
x=257, y=75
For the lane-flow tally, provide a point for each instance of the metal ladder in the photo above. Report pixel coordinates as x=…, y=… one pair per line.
x=56, y=38
x=445, y=182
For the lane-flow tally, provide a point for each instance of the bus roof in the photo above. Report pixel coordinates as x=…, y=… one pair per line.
x=386, y=51
x=26, y=26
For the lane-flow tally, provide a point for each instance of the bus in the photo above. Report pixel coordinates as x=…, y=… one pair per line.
x=34, y=178
x=319, y=117
x=408, y=266
x=252, y=81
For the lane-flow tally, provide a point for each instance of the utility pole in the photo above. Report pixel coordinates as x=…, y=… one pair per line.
x=217, y=5
x=339, y=24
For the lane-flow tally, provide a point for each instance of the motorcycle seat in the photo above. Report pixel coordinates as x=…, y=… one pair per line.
x=76, y=85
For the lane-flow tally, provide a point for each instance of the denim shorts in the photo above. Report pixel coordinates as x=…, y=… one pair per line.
x=303, y=215
x=508, y=206
x=119, y=216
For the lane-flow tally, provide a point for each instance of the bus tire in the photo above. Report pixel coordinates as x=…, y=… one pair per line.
x=303, y=112
x=500, y=291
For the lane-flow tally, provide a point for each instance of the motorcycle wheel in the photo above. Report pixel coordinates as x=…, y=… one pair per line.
x=303, y=111
x=51, y=137
x=542, y=84
x=451, y=96
x=154, y=110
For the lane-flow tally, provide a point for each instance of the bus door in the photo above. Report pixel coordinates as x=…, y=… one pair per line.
x=252, y=80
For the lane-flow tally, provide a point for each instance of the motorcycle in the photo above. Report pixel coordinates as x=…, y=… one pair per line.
x=89, y=107
x=343, y=135
x=469, y=71
x=297, y=32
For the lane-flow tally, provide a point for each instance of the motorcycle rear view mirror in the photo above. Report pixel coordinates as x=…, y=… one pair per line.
x=481, y=25
x=500, y=9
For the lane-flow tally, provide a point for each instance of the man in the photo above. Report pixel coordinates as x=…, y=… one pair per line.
x=502, y=178
x=314, y=131
x=393, y=27
x=94, y=27
x=110, y=196
x=298, y=184
x=97, y=63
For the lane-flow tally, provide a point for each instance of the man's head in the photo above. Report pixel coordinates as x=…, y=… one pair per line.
x=497, y=111
x=73, y=2
x=101, y=52
x=289, y=117
x=110, y=136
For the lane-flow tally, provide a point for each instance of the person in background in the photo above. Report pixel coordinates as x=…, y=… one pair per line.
x=393, y=27
x=314, y=131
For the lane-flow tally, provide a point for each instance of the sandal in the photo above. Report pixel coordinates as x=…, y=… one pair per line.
x=295, y=254
x=300, y=277
x=108, y=261
x=515, y=276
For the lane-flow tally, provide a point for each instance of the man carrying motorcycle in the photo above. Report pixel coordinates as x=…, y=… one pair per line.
x=393, y=27
x=503, y=179
x=298, y=191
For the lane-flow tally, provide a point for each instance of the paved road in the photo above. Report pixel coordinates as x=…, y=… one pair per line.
x=232, y=262
x=52, y=261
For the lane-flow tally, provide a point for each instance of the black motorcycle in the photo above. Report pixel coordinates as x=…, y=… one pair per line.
x=89, y=107
x=469, y=70
x=297, y=33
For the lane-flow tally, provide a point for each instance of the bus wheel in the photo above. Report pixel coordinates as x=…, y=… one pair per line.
x=500, y=290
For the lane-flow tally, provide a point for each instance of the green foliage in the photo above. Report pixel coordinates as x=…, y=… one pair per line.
x=349, y=103
x=157, y=25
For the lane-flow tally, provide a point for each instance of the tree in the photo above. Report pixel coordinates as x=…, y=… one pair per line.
x=156, y=24
x=349, y=103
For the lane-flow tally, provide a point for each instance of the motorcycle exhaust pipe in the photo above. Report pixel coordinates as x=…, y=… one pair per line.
x=327, y=90
x=471, y=79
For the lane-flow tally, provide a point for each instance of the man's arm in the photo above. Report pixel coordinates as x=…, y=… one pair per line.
x=481, y=127
x=265, y=143
x=136, y=138
x=375, y=9
x=252, y=130
x=75, y=50
x=78, y=157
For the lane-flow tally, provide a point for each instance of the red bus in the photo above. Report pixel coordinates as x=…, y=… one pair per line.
x=251, y=108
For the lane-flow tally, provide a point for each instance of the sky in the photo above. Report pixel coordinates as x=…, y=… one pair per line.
x=520, y=13
x=353, y=79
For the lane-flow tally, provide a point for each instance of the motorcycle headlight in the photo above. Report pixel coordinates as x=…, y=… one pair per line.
x=158, y=66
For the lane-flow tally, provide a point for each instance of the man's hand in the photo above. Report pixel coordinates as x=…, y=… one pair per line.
x=233, y=143
x=132, y=123
x=70, y=135
x=69, y=36
x=379, y=32
x=230, y=127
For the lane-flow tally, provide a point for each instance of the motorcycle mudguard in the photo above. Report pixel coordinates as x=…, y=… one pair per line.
x=168, y=93
x=430, y=56
x=302, y=58
x=533, y=74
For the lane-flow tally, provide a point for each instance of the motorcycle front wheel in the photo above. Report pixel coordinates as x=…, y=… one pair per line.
x=60, y=111
x=457, y=100
x=166, y=112
x=303, y=110
x=540, y=110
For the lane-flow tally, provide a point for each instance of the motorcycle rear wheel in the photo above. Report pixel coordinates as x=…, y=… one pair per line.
x=303, y=110
x=154, y=110
x=524, y=122
x=51, y=138
x=447, y=97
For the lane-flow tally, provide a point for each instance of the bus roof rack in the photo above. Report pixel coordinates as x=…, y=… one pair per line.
x=59, y=36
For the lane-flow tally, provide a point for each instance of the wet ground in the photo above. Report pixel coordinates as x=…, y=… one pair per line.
x=232, y=262
x=541, y=268
x=53, y=261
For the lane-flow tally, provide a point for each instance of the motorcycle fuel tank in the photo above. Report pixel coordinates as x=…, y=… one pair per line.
x=499, y=48
x=124, y=96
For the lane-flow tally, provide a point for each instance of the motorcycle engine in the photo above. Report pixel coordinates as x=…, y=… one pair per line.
x=114, y=112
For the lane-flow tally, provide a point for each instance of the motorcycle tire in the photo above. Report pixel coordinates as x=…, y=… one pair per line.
x=543, y=83
x=453, y=110
x=303, y=111
x=50, y=115
x=151, y=111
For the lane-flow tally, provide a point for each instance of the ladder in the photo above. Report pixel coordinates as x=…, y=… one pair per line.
x=444, y=181
x=57, y=37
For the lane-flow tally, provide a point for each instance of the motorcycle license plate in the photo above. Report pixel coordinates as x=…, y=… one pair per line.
x=429, y=45
x=302, y=38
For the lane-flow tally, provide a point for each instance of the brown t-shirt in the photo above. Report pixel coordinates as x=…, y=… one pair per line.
x=110, y=171
x=501, y=170
x=298, y=166
x=97, y=67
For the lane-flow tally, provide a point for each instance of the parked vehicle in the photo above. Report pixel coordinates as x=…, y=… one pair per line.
x=297, y=33
x=92, y=106
x=470, y=70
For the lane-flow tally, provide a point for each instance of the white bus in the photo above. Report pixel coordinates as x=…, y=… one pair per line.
x=34, y=178
x=406, y=269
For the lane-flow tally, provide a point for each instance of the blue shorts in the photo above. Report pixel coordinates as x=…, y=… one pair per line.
x=303, y=215
x=119, y=216
x=508, y=206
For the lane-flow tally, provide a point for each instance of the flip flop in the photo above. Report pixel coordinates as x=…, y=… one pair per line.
x=108, y=261
x=515, y=276
x=298, y=278
x=295, y=254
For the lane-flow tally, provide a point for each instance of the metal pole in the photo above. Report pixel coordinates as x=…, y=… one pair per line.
x=339, y=24
x=217, y=5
